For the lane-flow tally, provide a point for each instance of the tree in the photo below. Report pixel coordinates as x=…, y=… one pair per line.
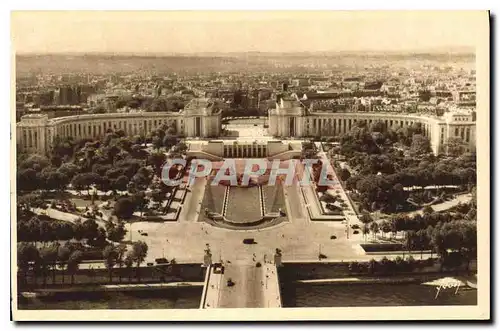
x=328, y=198
x=157, y=143
x=63, y=254
x=111, y=152
x=73, y=263
x=27, y=180
x=366, y=230
x=35, y=162
x=422, y=241
x=90, y=230
x=411, y=240
x=141, y=180
x=140, y=201
x=469, y=241
x=427, y=210
x=129, y=261
x=48, y=258
x=104, y=184
x=374, y=228
x=138, y=140
x=385, y=226
x=157, y=160
x=116, y=232
x=344, y=174
x=110, y=257
x=78, y=230
x=100, y=239
x=84, y=181
x=169, y=141
x=455, y=146
x=120, y=256
x=366, y=218
x=181, y=147
x=424, y=95
x=372, y=266
x=27, y=254
x=120, y=184
x=394, y=226
x=420, y=145
x=54, y=180
x=124, y=208
x=140, y=251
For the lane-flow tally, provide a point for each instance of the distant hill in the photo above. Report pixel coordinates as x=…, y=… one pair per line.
x=106, y=63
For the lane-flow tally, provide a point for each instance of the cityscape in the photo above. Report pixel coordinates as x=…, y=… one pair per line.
x=253, y=179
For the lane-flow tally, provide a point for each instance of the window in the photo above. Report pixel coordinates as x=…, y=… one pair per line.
x=456, y=132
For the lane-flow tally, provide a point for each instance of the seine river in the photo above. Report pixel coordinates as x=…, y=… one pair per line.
x=142, y=299
x=360, y=295
x=293, y=295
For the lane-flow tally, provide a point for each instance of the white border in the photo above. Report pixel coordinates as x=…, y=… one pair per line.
x=256, y=4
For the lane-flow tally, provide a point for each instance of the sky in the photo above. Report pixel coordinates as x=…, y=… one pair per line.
x=278, y=31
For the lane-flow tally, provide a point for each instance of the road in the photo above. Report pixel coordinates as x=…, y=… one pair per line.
x=62, y=216
x=351, y=215
x=462, y=198
x=192, y=203
x=295, y=206
x=254, y=287
x=247, y=291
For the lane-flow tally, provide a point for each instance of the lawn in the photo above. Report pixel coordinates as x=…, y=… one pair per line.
x=274, y=198
x=244, y=204
x=213, y=198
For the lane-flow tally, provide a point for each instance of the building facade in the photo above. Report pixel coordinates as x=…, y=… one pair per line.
x=202, y=118
x=35, y=133
x=291, y=119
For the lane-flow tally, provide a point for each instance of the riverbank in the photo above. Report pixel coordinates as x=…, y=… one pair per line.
x=42, y=292
x=433, y=279
x=161, y=298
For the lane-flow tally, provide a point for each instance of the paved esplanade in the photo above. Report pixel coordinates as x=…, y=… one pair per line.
x=253, y=287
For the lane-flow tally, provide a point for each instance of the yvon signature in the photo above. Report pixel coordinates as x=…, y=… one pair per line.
x=453, y=284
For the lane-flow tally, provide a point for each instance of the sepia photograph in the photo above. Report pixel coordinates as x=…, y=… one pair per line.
x=197, y=165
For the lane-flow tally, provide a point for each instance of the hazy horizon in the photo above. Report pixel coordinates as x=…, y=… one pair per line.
x=174, y=33
x=451, y=49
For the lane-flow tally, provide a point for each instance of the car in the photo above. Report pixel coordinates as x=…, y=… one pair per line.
x=218, y=268
x=356, y=232
x=144, y=234
x=161, y=260
x=249, y=241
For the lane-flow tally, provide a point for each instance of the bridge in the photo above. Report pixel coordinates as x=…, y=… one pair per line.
x=252, y=286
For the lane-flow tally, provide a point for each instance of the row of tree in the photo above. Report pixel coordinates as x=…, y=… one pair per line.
x=443, y=233
x=45, y=261
x=44, y=229
x=95, y=164
x=386, y=191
